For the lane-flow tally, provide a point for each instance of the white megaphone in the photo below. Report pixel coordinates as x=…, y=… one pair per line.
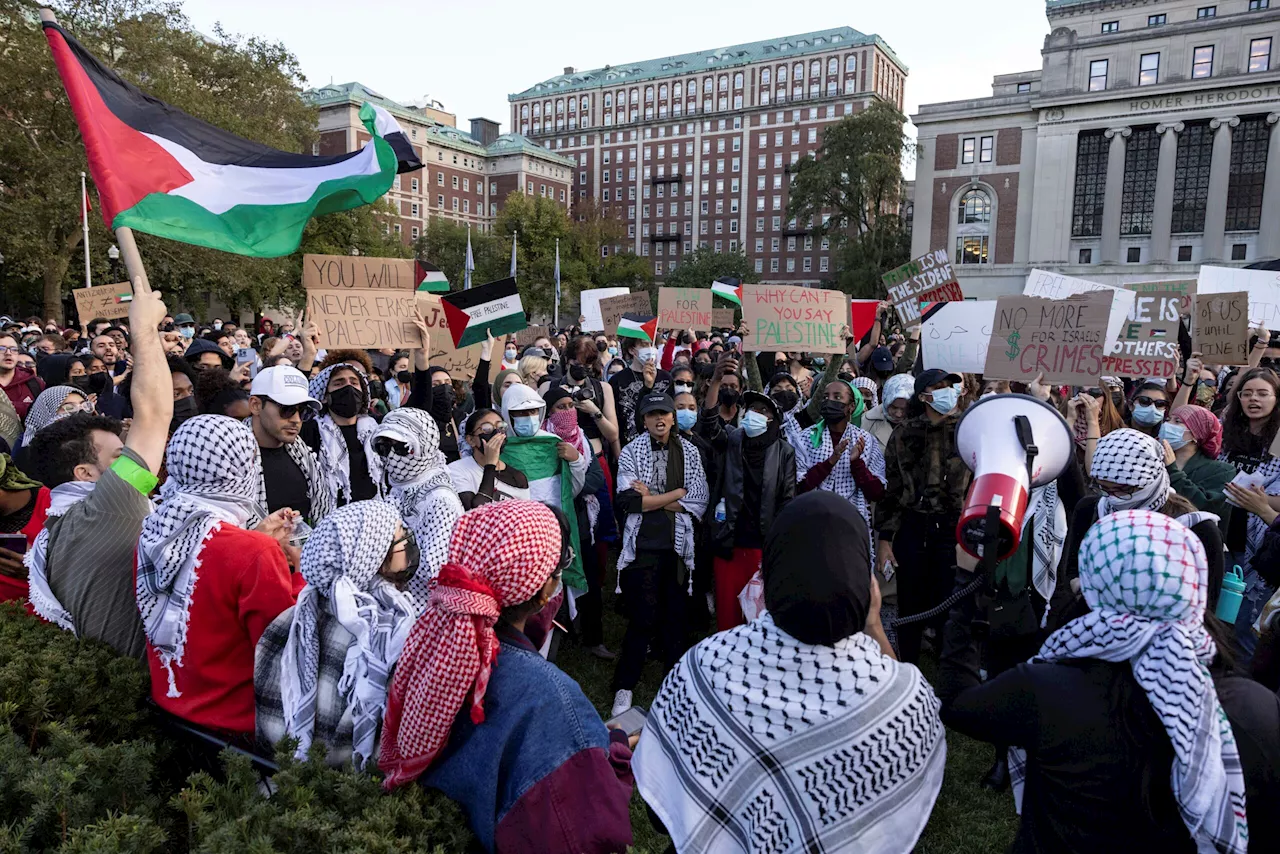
x=1013, y=443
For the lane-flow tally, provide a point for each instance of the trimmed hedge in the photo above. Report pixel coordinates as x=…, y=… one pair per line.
x=85, y=769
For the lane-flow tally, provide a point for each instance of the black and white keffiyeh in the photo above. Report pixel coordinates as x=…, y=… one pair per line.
x=1131, y=458
x=44, y=411
x=420, y=487
x=1145, y=579
x=1046, y=520
x=758, y=742
x=39, y=593
x=639, y=461
x=317, y=488
x=335, y=462
x=214, y=470
x=840, y=481
x=340, y=563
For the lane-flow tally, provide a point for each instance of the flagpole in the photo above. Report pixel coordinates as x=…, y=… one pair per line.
x=515, y=236
x=84, y=222
x=466, y=263
x=557, y=318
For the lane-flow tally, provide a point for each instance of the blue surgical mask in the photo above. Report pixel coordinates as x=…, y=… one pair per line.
x=648, y=354
x=686, y=418
x=187, y=331
x=510, y=354
x=945, y=399
x=613, y=351
x=1146, y=415
x=525, y=425
x=1174, y=434
x=754, y=424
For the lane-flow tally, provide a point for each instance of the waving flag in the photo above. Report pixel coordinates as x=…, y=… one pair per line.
x=495, y=308
x=644, y=327
x=730, y=289
x=431, y=278
x=166, y=173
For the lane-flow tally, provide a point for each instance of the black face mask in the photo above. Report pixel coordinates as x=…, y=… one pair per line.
x=703, y=369
x=377, y=390
x=345, y=402
x=442, y=400
x=1117, y=397
x=729, y=396
x=833, y=411
x=182, y=410
x=404, y=377
x=601, y=346
x=577, y=373
x=786, y=400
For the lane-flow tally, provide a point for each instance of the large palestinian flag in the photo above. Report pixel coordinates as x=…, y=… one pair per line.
x=494, y=308
x=163, y=172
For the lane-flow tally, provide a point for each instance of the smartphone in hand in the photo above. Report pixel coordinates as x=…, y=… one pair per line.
x=631, y=721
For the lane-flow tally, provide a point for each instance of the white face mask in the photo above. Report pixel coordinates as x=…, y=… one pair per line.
x=647, y=355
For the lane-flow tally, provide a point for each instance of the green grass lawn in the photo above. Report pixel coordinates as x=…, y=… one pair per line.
x=966, y=819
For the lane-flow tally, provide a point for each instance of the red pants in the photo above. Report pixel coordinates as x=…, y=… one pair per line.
x=731, y=576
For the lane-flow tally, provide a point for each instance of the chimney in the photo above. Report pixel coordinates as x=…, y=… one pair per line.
x=484, y=131
x=569, y=69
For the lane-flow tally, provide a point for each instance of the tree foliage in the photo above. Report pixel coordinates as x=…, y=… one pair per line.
x=856, y=182
x=704, y=266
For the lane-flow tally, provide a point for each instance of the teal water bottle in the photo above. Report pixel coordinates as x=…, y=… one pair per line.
x=1231, y=596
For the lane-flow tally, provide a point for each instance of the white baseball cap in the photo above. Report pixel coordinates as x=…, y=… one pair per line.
x=285, y=385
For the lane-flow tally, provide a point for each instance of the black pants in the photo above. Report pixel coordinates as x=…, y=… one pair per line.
x=655, y=603
x=590, y=606
x=925, y=548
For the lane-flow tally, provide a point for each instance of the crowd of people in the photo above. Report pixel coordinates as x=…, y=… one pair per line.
x=361, y=554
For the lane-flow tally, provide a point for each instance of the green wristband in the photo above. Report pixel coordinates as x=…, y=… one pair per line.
x=135, y=475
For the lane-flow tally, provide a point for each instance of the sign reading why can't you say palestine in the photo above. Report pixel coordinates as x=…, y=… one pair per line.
x=778, y=317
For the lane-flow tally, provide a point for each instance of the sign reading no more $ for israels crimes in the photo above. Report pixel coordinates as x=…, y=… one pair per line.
x=929, y=278
x=1064, y=339
x=791, y=319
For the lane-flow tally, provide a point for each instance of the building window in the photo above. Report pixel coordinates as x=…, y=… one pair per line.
x=1239, y=252
x=984, y=152
x=1098, y=75
x=1091, y=182
x=1255, y=5
x=1259, y=55
x=1207, y=12
x=1024, y=87
x=759, y=265
x=972, y=250
x=970, y=145
x=1191, y=178
x=1137, y=206
x=1157, y=20
x=1111, y=27
x=1184, y=253
x=1202, y=62
x=1149, y=69
x=1086, y=256
x=973, y=218
x=1133, y=255
x=1248, y=173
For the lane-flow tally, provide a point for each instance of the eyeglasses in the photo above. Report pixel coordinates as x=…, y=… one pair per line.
x=4, y=350
x=1249, y=394
x=69, y=407
x=1143, y=400
x=486, y=435
x=385, y=446
x=1118, y=490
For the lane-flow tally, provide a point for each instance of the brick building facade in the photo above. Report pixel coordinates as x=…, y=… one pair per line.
x=698, y=149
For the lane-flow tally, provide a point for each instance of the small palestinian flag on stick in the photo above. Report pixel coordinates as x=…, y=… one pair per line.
x=642, y=326
x=495, y=307
x=163, y=172
x=124, y=296
x=729, y=288
x=431, y=278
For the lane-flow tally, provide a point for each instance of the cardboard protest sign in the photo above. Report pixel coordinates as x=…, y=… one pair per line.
x=1065, y=339
x=955, y=336
x=1042, y=283
x=779, y=317
x=1185, y=288
x=685, y=308
x=460, y=363
x=1220, y=333
x=1148, y=344
x=1263, y=287
x=589, y=307
x=929, y=278
x=110, y=302
x=722, y=318
x=612, y=309
x=356, y=271
x=364, y=318
x=529, y=334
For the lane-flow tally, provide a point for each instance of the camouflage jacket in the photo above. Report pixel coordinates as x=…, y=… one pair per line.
x=924, y=473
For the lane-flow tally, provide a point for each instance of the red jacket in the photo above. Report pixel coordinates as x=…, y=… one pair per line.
x=243, y=583
x=12, y=589
x=20, y=391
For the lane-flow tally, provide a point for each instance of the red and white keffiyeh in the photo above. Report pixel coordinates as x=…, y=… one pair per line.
x=501, y=554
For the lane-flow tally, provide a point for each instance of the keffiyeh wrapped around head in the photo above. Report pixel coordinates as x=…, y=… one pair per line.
x=214, y=467
x=501, y=555
x=340, y=563
x=869, y=391
x=45, y=410
x=1145, y=578
x=334, y=458
x=1130, y=458
x=1203, y=426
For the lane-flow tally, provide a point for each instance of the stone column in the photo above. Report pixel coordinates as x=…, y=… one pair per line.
x=1162, y=214
x=1215, y=214
x=1113, y=194
x=1269, y=236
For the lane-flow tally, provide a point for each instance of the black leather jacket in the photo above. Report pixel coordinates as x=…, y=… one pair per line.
x=779, y=484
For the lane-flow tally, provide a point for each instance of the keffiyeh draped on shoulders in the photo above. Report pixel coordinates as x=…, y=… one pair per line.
x=335, y=460
x=639, y=461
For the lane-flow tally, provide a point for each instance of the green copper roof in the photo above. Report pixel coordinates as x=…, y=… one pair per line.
x=452, y=137
x=703, y=60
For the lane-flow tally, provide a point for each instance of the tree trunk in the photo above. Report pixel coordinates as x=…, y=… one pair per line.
x=55, y=271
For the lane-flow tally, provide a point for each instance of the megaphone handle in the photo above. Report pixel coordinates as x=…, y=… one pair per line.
x=990, y=542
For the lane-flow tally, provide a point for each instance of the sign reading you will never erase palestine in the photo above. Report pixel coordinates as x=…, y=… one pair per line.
x=360, y=302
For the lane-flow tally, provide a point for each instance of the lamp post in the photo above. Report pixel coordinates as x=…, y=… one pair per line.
x=113, y=254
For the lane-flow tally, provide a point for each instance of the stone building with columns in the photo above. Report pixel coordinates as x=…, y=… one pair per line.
x=1147, y=143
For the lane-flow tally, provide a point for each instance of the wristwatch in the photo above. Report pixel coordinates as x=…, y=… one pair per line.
x=597, y=415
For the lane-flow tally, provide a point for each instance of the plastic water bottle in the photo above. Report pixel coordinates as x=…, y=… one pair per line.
x=1231, y=596
x=720, y=518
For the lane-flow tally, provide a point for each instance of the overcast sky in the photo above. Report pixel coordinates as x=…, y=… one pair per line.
x=472, y=55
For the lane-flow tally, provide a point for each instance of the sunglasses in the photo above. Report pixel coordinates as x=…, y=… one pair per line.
x=1095, y=392
x=384, y=446
x=1143, y=400
x=293, y=409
